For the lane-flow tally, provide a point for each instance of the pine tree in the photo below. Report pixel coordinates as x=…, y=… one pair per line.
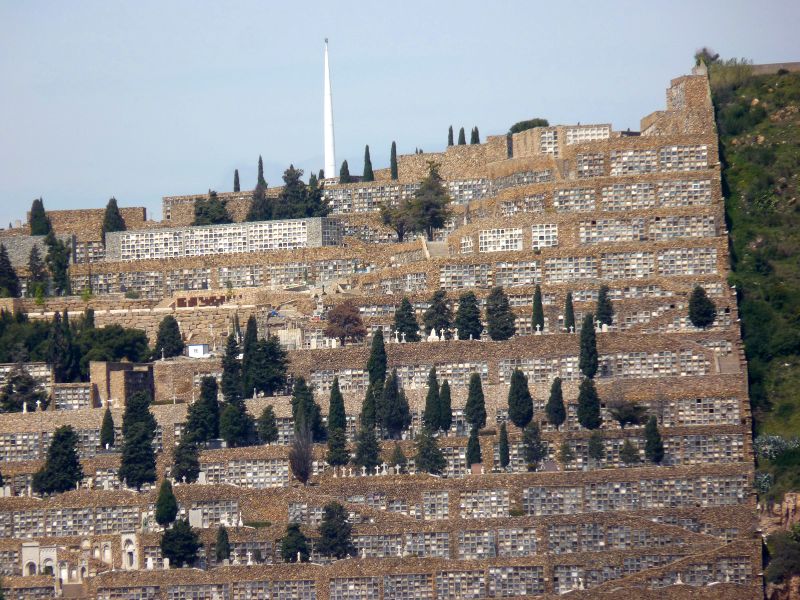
x=462, y=139
x=393, y=161
x=166, y=504
x=222, y=547
x=396, y=412
x=475, y=409
x=338, y=453
x=368, y=174
x=565, y=454
x=702, y=310
x=202, y=421
x=429, y=209
x=57, y=259
x=211, y=210
x=37, y=273
x=376, y=365
x=431, y=414
x=468, y=317
x=653, y=445
x=138, y=461
x=236, y=187
x=502, y=445
x=429, y=458
x=268, y=426
x=260, y=206
x=588, y=405
x=335, y=532
x=180, y=544
x=306, y=412
x=605, y=308
x=474, y=448
x=520, y=402
x=475, y=136
x=185, y=461
x=169, y=341
x=9, y=282
x=38, y=219
x=344, y=174
x=499, y=316
x=236, y=425
x=367, y=449
x=445, y=407
x=438, y=316
x=231, y=371
x=112, y=220
x=405, y=321
x=569, y=313
x=107, y=430
x=588, y=354
x=538, y=310
x=137, y=410
x=597, y=450
x=261, y=181
x=450, y=136
x=294, y=544
x=62, y=470
x=555, y=409
x=337, y=418
x=398, y=459
x=629, y=453
x=535, y=449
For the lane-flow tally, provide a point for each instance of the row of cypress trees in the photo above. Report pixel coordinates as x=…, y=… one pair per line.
x=474, y=137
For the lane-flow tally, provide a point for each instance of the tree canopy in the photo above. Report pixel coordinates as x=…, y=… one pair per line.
x=405, y=321
x=702, y=310
x=38, y=219
x=499, y=316
x=468, y=317
x=520, y=402
x=9, y=281
x=521, y=126
x=169, y=341
x=62, y=470
x=335, y=532
x=438, y=315
x=180, y=544
x=344, y=323
x=368, y=173
x=112, y=219
x=210, y=211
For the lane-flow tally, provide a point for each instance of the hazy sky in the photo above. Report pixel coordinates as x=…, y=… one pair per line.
x=144, y=99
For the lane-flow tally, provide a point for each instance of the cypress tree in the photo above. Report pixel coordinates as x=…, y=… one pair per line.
x=264, y=365
x=337, y=419
x=588, y=405
x=462, y=139
x=321, y=175
x=268, y=426
x=180, y=544
x=368, y=174
x=588, y=353
x=368, y=416
x=431, y=414
x=393, y=161
x=138, y=461
x=9, y=282
x=445, y=407
x=294, y=544
x=520, y=402
x=107, y=430
x=534, y=448
x=597, y=451
x=475, y=137
x=367, y=449
x=260, y=206
x=231, y=371
x=169, y=342
x=236, y=187
x=499, y=316
x=429, y=458
x=376, y=365
x=475, y=409
x=248, y=355
x=236, y=425
x=301, y=454
x=62, y=470
x=605, y=309
x=653, y=445
x=450, y=136
x=305, y=411
x=569, y=313
x=202, y=421
x=538, y=310
x=112, y=220
x=261, y=181
x=38, y=220
x=474, y=448
x=555, y=409
x=502, y=444
x=438, y=316
x=37, y=274
x=702, y=310
x=57, y=259
x=335, y=532
x=222, y=548
x=405, y=321
x=58, y=350
x=628, y=453
x=186, y=462
x=137, y=410
x=468, y=317
x=565, y=454
x=166, y=504
x=337, y=448
x=344, y=173
x=396, y=412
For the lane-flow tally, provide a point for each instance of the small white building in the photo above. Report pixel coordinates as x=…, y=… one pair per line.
x=198, y=350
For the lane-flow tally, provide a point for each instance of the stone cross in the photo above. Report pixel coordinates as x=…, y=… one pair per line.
x=572, y=328
x=396, y=337
x=363, y=471
x=404, y=337
x=383, y=468
x=183, y=479
x=38, y=405
x=249, y=557
x=335, y=472
x=538, y=329
x=455, y=333
x=441, y=334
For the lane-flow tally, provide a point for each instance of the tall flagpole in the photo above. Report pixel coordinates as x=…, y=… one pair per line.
x=330, y=158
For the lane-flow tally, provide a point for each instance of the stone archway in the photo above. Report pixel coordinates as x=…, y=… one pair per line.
x=30, y=568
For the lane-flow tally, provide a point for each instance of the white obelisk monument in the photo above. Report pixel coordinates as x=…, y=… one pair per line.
x=330, y=158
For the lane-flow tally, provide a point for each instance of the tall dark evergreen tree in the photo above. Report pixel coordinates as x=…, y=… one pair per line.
x=653, y=445
x=475, y=409
x=260, y=206
x=301, y=454
x=534, y=449
x=186, y=461
x=266, y=367
x=38, y=219
x=59, y=350
x=538, y=310
x=520, y=402
x=702, y=310
x=37, y=274
x=429, y=458
x=236, y=186
x=376, y=365
x=62, y=470
x=231, y=371
x=202, y=422
x=588, y=405
x=338, y=454
x=396, y=412
x=57, y=260
x=429, y=209
x=261, y=181
x=268, y=426
x=588, y=352
x=166, y=504
x=502, y=447
x=368, y=174
x=555, y=409
x=450, y=135
x=248, y=355
x=294, y=545
x=431, y=414
x=462, y=138
x=9, y=282
x=298, y=200
x=138, y=461
x=369, y=406
x=445, y=407
x=605, y=308
x=169, y=341
x=475, y=136
x=344, y=173
x=236, y=425
x=569, y=313
x=438, y=316
x=499, y=316
x=180, y=544
x=629, y=454
x=474, y=448
x=468, y=317
x=337, y=419
x=112, y=220
x=137, y=410
x=335, y=532
x=405, y=321
x=306, y=412
x=596, y=449
x=211, y=210
x=20, y=388
x=107, y=430
x=222, y=547
x=367, y=449
x=393, y=161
